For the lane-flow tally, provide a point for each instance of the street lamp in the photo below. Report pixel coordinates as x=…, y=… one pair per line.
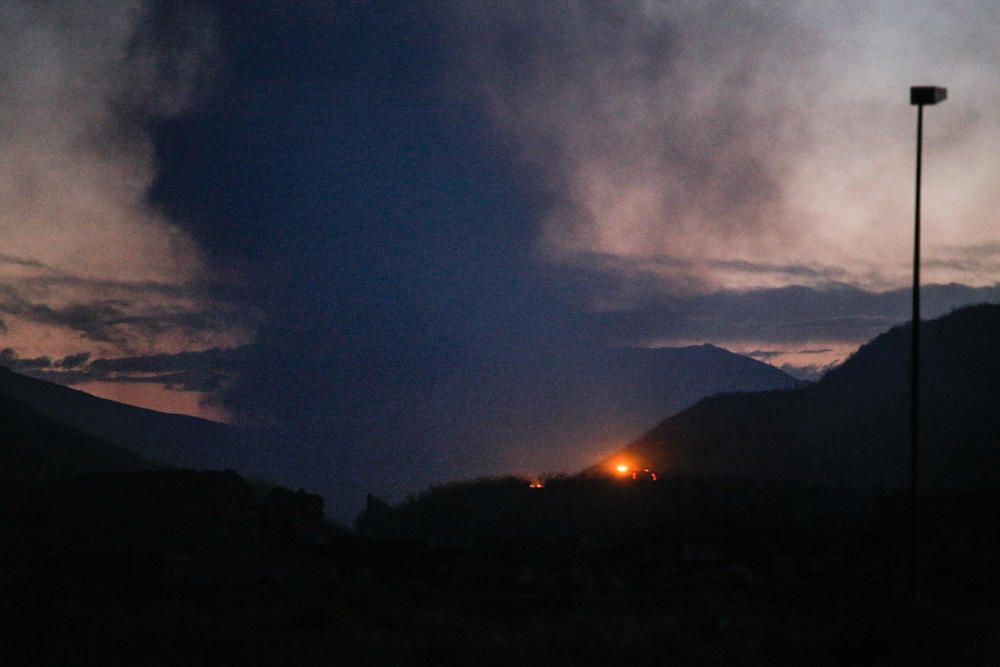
x=920, y=96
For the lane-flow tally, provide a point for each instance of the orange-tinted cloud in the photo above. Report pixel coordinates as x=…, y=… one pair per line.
x=88, y=266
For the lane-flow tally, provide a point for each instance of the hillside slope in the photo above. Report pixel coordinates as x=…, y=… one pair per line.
x=167, y=438
x=852, y=426
x=35, y=448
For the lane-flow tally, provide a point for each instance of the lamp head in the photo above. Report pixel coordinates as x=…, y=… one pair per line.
x=921, y=95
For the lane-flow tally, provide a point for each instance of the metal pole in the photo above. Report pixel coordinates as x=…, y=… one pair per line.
x=915, y=385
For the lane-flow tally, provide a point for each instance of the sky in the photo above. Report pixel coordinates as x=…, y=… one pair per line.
x=319, y=213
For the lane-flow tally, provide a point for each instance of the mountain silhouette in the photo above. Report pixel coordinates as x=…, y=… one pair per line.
x=170, y=439
x=664, y=380
x=543, y=411
x=35, y=448
x=852, y=427
x=558, y=411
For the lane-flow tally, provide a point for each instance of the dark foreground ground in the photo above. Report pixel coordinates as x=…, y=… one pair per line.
x=692, y=573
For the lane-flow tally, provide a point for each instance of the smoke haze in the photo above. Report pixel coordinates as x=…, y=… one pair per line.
x=720, y=146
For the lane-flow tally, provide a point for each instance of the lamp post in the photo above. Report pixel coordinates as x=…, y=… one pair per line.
x=920, y=96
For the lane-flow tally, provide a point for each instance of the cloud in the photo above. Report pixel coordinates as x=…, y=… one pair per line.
x=696, y=142
x=161, y=363
x=10, y=359
x=20, y=261
x=763, y=354
x=803, y=330
x=88, y=319
x=208, y=372
x=73, y=360
x=800, y=326
x=641, y=117
x=82, y=80
x=810, y=372
x=87, y=261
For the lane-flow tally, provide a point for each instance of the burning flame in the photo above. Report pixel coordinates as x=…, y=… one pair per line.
x=626, y=471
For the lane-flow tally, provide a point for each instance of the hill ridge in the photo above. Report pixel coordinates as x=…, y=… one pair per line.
x=852, y=426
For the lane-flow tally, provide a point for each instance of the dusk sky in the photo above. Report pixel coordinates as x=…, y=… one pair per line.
x=314, y=212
